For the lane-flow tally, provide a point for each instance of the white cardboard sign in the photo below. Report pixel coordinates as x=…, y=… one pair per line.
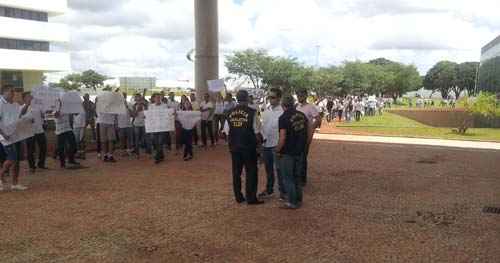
x=159, y=120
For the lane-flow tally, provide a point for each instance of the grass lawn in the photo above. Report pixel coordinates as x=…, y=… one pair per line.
x=394, y=125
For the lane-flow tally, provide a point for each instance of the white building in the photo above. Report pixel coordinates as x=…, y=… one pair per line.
x=26, y=36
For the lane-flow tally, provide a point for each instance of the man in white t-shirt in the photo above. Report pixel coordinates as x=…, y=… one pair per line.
x=66, y=142
x=39, y=138
x=196, y=107
x=126, y=131
x=207, y=115
x=10, y=113
x=270, y=139
x=313, y=118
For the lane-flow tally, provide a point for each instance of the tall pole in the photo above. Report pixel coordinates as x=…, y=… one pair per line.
x=207, y=44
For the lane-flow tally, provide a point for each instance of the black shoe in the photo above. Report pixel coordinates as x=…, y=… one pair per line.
x=111, y=159
x=240, y=200
x=157, y=161
x=265, y=194
x=256, y=202
x=43, y=167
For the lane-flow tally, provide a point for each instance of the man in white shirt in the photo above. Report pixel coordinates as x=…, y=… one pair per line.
x=125, y=128
x=207, y=115
x=158, y=137
x=10, y=113
x=66, y=142
x=313, y=118
x=174, y=105
x=270, y=136
x=38, y=138
x=107, y=134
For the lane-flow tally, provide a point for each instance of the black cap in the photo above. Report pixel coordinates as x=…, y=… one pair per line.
x=301, y=91
x=242, y=96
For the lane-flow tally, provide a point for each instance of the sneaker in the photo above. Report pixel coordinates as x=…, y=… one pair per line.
x=18, y=187
x=265, y=194
x=256, y=202
x=289, y=206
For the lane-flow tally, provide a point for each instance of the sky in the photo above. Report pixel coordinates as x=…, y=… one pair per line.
x=152, y=37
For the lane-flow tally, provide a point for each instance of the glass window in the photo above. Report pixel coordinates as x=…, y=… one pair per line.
x=23, y=14
x=2, y=11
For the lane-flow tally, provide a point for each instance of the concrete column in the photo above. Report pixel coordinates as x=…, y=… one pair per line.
x=207, y=44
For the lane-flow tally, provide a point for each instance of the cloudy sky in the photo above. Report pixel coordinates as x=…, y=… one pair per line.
x=152, y=37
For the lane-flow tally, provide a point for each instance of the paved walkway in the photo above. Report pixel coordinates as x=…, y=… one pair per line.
x=412, y=141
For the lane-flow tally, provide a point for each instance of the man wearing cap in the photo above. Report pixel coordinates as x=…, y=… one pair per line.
x=243, y=130
x=314, y=119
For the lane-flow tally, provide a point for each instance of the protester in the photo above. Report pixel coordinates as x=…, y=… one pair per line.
x=294, y=138
x=312, y=117
x=90, y=114
x=219, y=117
x=141, y=138
x=158, y=137
x=176, y=134
x=196, y=107
x=126, y=130
x=10, y=113
x=107, y=134
x=207, y=116
x=242, y=122
x=187, y=132
x=39, y=137
x=66, y=142
x=270, y=135
x=79, y=127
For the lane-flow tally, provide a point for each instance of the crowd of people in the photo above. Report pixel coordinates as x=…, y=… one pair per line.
x=279, y=132
x=350, y=108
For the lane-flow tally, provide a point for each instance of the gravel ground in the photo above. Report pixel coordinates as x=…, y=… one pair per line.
x=364, y=203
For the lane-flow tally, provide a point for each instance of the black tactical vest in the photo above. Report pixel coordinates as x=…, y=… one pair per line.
x=241, y=131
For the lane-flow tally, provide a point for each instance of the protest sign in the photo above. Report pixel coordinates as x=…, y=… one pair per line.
x=71, y=103
x=110, y=102
x=159, y=120
x=216, y=85
x=188, y=119
x=20, y=130
x=45, y=98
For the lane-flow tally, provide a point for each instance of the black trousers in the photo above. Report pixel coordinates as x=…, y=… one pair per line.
x=158, y=141
x=247, y=160
x=207, y=125
x=187, y=140
x=41, y=141
x=66, y=143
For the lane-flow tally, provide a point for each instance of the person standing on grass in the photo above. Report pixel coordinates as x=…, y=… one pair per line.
x=294, y=138
x=243, y=130
x=270, y=135
x=107, y=134
x=207, y=124
x=313, y=120
x=66, y=142
x=10, y=113
x=39, y=137
x=186, y=132
x=158, y=137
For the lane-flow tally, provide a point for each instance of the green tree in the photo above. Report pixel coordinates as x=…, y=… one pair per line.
x=326, y=81
x=466, y=78
x=356, y=78
x=442, y=77
x=92, y=80
x=71, y=82
x=249, y=64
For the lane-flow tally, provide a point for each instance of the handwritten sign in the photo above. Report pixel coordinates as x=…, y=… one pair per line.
x=216, y=85
x=160, y=120
x=20, y=130
x=110, y=102
x=71, y=103
x=188, y=119
x=45, y=98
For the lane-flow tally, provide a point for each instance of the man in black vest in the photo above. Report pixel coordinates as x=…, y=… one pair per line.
x=243, y=128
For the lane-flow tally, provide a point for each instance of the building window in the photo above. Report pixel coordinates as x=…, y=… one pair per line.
x=24, y=45
x=14, y=78
x=23, y=14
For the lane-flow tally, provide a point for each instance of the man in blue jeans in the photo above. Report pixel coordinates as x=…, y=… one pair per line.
x=294, y=137
x=270, y=136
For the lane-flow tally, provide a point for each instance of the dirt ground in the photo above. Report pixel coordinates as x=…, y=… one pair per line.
x=364, y=203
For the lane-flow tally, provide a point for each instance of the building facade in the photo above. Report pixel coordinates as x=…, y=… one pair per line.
x=489, y=70
x=26, y=37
